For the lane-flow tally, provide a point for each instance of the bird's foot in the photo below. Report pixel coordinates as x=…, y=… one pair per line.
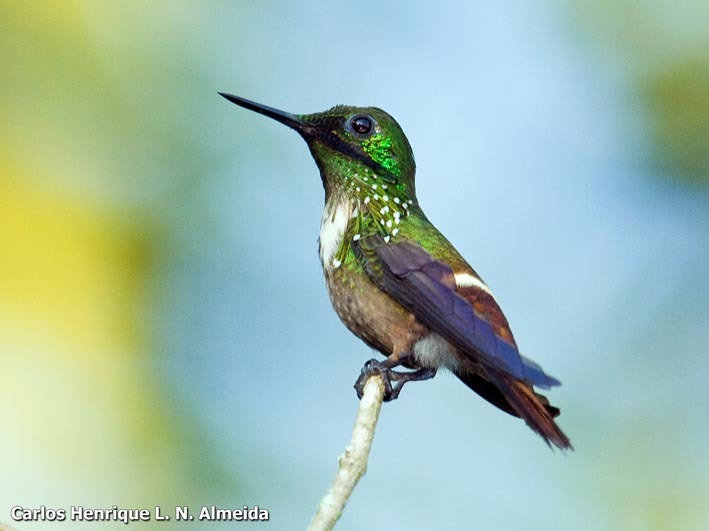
x=393, y=380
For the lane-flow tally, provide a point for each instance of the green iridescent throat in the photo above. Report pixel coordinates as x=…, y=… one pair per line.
x=378, y=147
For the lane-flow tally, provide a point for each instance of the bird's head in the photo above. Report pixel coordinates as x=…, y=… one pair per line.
x=361, y=152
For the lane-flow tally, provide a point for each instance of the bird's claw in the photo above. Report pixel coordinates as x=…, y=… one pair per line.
x=371, y=367
x=393, y=380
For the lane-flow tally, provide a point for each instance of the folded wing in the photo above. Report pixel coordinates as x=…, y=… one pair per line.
x=426, y=287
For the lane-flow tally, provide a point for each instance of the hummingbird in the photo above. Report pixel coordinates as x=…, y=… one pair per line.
x=396, y=282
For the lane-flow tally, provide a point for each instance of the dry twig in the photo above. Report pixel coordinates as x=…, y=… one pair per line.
x=353, y=462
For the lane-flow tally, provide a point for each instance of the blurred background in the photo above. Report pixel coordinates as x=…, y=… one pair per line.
x=165, y=333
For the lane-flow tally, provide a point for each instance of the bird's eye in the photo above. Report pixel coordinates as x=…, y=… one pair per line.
x=361, y=124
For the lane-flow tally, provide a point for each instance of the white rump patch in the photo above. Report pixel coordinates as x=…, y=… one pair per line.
x=466, y=280
x=434, y=351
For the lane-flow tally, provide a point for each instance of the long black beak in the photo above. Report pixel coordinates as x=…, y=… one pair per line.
x=311, y=132
x=291, y=120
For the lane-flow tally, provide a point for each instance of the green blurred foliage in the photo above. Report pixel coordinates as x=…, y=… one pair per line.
x=663, y=47
x=678, y=100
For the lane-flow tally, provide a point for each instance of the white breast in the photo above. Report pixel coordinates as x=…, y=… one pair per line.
x=332, y=227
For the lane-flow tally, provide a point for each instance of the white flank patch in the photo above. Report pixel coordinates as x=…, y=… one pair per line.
x=434, y=351
x=332, y=227
x=466, y=280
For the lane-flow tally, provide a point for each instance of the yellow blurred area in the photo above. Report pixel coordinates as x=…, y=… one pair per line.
x=70, y=270
x=77, y=396
x=84, y=418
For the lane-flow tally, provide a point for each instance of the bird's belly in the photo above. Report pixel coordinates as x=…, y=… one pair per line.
x=371, y=314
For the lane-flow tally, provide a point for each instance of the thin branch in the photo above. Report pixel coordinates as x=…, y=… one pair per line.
x=353, y=462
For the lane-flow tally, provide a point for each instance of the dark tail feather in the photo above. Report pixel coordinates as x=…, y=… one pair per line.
x=490, y=392
x=533, y=408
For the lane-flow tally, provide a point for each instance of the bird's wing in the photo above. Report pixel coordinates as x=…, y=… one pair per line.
x=427, y=288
